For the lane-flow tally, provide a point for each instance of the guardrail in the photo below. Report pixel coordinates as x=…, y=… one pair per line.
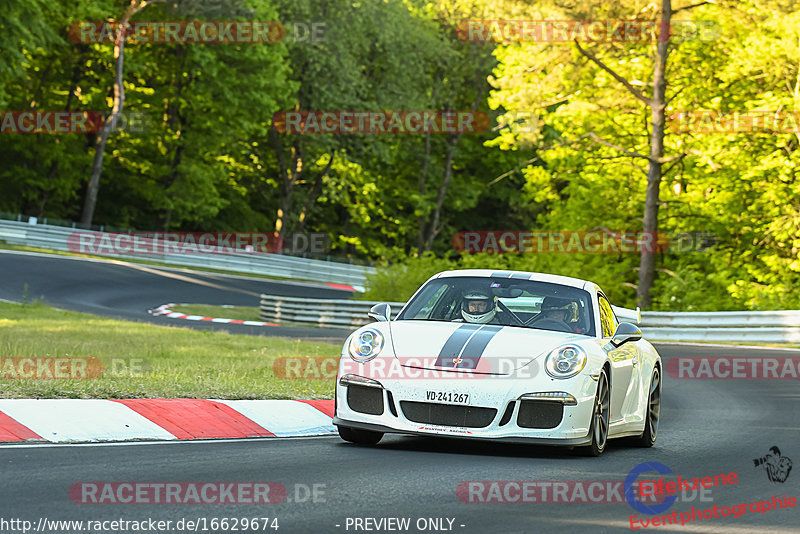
x=323, y=313
x=278, y=265
x=754, y=327
x=743, y=326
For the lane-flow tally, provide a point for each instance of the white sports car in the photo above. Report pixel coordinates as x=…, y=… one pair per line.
x=501, y=355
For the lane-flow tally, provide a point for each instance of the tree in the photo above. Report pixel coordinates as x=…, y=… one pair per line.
x=566, y=82
x=117, y=107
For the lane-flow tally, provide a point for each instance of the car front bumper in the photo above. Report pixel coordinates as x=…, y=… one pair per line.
x=498, y=408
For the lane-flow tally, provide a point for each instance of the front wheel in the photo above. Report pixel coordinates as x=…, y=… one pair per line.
x=600, y=417
x=648, y=437
x=362, y=437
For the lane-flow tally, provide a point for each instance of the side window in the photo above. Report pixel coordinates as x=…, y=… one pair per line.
x=607, y=319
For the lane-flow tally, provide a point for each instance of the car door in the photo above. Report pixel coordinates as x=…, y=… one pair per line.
x=624, y=363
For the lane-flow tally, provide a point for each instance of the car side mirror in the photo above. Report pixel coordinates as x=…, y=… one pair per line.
x=626, y=332
x=380, y=312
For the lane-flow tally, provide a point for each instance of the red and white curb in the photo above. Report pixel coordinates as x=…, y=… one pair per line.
x=347, y=287
x=81, y=420
x=166, y=310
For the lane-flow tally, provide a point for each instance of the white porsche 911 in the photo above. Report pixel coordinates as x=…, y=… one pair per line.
x=501, y=355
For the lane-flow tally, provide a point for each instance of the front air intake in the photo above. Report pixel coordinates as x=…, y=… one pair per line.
x=365, y=399
x=540, y=414
x=448, y=414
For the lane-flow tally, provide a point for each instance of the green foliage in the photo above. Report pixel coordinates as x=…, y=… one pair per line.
x=206, y=158
x=397, y=282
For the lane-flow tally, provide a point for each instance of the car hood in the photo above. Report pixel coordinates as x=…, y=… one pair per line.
x=472, y=347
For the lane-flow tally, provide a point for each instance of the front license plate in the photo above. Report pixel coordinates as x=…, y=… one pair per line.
x=447, y=396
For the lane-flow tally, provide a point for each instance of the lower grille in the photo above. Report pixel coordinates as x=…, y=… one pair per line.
x=540, y=414
x=448, y=414
x=365, y=399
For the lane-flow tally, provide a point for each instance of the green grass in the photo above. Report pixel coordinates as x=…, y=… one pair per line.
x=178, y=362
x=244, y=313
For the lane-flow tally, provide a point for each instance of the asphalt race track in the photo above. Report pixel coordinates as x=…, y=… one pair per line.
x=708, y=428
x=127, y=290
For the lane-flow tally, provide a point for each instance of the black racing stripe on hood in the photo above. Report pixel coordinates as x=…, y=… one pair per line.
x=456, y=341
x=477, y=344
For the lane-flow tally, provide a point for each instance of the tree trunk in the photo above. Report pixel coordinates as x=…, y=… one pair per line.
x=53, y=172
x=312, y=195
x=289, y=177
x=650, y=223
x=433, y=231
x=423, y=174
x=116, y=110
x=176, y=122
x=421, y=220
x=452, y=143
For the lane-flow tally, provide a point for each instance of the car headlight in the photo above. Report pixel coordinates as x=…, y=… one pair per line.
x=565, y=362
x=366, y=345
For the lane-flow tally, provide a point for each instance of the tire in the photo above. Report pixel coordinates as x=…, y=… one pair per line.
x=648, y=437
x=600, y=418
x=361, y=437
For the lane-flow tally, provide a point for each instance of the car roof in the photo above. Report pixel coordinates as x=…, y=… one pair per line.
x=522, y=275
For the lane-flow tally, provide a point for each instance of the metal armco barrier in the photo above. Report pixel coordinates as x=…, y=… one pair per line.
x=756, y=327
x=744, y=326
x=278, y=265
x=323, y=313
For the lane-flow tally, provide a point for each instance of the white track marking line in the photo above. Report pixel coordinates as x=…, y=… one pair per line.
x=26, y=445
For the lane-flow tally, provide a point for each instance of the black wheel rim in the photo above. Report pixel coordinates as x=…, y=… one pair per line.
x=601, y=413
x=654, y=404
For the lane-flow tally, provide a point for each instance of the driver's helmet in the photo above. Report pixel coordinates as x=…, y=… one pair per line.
x=478, y=306
x=556, y=308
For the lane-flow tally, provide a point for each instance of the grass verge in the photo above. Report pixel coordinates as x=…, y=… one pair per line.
x=149, y=361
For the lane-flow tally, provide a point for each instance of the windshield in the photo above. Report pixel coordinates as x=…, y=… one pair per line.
x=503, y=301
